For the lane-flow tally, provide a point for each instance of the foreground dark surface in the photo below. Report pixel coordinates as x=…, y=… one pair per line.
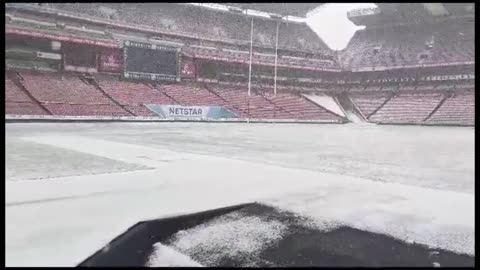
x=300, y=245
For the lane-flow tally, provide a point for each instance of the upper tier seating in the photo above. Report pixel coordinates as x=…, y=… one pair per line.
x=404, y=45
x=201, y=22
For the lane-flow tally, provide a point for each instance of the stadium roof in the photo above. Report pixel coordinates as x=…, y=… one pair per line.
x=399, y=13
x=284, y=9
x=434, y=9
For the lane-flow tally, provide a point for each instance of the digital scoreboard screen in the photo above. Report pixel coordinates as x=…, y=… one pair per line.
x=150, y=61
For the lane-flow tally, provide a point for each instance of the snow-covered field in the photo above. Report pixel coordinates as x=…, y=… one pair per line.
x=71, y=188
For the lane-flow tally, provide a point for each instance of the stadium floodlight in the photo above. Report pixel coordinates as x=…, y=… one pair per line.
x=276, y=16
x=251, y=54
x=235, y=10
x=276, y=59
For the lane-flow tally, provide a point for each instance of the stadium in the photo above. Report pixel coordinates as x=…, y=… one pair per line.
x=126, y=120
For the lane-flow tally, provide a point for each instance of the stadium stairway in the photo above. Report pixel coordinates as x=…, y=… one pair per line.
x=159, y=87
x=282, y=110
x=327, y=104
x=92, y=81
x=436, y=108
x=17, y=78
x=381, y=106
x=352, y=113
x=407, y=108
x=457, y=109
x=234, y=108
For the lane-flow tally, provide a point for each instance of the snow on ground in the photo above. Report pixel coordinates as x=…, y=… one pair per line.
x=38, y=163
x=415, y=183
x=163, y=256
x=231, y=236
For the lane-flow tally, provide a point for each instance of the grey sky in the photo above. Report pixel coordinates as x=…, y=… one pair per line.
x=330, y=22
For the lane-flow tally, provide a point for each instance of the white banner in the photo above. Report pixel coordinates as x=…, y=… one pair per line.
x=46, y=55
x=174, y=111
x=80, y=69
x=449, y=77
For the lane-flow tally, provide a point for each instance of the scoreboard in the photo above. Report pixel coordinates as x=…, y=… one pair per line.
x=151, y=61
